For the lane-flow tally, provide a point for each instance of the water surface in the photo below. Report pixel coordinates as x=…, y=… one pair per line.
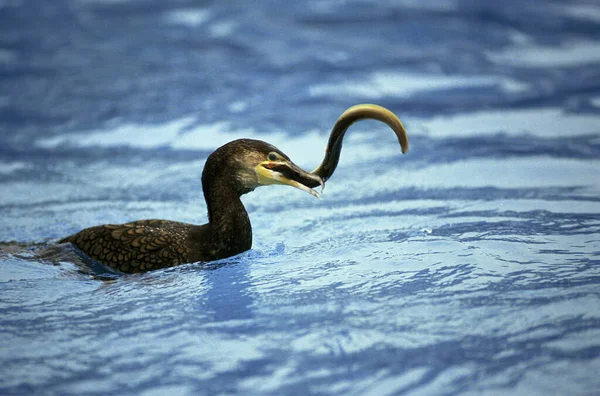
x=469, y=266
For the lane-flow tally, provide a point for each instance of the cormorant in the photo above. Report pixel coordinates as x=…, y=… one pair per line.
x=232, y=170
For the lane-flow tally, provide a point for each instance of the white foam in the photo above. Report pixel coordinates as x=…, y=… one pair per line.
x=545, y=122
x=513, y=173
x=595, y=101
x=7, y=56
x=180, y=134
x=238, y=106
x=520, y=38
x=130, y=135
x=209, y=137
x=222, y=29
x=7, y=168
x=584, y=11
x=307, y=148
x=530, y=56
x=190, y=17
x=384, y=84
x=433, y=5
x=105, y=1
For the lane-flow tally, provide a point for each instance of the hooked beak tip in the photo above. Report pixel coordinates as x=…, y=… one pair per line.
x=291, y=175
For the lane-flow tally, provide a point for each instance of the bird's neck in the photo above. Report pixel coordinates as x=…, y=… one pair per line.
x=228, y=220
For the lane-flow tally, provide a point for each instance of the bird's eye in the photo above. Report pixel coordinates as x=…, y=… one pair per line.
x=272, y=157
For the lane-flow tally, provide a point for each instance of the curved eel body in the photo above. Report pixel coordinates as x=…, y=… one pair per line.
x=353, y=114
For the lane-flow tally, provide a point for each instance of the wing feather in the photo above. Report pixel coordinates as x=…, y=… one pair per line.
x=137, y=246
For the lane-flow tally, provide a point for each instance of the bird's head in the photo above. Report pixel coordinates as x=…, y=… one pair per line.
x=254, y=163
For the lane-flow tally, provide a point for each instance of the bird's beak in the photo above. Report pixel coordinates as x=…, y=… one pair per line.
x=286, y=172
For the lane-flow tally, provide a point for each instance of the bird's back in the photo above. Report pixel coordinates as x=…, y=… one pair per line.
x=137, y=246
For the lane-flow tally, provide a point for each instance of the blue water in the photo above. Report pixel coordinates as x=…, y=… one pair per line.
x=470, y=265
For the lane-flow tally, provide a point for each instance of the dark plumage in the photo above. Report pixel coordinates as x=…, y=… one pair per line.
x=230, y=171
